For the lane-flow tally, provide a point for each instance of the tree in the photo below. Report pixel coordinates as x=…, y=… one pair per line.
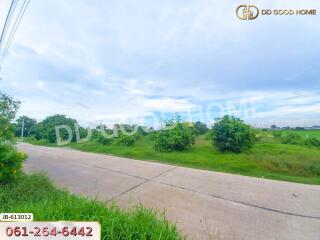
x=10, y=159
x=29, y=126
x=177, y=137
x=200, y=128
x=8, y=106
x=232, y=134
x=47, y=128
x=8, y=110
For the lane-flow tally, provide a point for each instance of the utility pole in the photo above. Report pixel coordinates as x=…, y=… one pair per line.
x=22, y=129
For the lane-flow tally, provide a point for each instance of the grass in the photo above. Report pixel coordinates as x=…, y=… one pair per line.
x=268, y=158
x=35, y=193
x=306, y=133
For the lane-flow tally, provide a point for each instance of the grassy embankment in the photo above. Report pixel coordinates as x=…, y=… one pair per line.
x=34, y=193
x=268, y=158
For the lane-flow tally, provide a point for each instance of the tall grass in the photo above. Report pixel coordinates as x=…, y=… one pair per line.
x=35, y=194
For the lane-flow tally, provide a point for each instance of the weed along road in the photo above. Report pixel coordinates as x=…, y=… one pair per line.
x=204, y=204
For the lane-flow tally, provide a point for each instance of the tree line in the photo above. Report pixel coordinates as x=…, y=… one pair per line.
x=227, y=134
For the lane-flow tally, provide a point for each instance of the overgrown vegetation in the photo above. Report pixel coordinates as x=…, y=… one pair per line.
x=10, y=162
x=294, y=138
x=286, y=155
x=34, y=193
x=47, y=128
x=10, y=159
x=8, y=110
x=232, y=134
x=176, y=136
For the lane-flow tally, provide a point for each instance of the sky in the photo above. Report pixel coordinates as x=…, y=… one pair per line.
x=126, y=61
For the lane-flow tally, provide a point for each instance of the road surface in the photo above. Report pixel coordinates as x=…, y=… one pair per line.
x=204, y=204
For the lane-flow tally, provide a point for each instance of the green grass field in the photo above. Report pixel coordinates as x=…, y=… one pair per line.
x=268, y=158
x=34, y=193
x=306, y=133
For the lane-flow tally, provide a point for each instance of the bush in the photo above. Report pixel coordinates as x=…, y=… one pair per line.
x=10, y=162
x=103, y=140
x=313, y=142
x=232, y=134
x=126, y=140
x=277, y=134
x=176, y=139
x=6, y=129
x=292, y=138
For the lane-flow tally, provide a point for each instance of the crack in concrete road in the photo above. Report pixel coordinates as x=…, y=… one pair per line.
x=146, y=180
x=138, y=185
x=243, y=203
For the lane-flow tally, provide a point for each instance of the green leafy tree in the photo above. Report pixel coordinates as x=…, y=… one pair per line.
x=29, y=126
x=175, y=137
x=8, y=111
x=10, y=159
x=232, y=134
x=47, y=128
x=200, y=128
x=8, y=106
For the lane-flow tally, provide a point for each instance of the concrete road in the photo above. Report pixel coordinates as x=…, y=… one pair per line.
x=204, y=204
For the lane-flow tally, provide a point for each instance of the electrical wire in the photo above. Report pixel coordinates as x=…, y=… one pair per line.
x=7, y=21
x=14, y=29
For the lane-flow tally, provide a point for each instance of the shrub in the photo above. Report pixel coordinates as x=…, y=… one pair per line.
x=208, y=136
x=103, y=140
x=277, y=134
x=6, y=129
x=232, y=134
x=312, y=141
x=177, y=138
x=10, y=162
x=126, y=140
x=292, y=138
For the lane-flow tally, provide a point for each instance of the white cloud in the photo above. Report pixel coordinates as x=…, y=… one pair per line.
x=120, y=59
x=168, y=104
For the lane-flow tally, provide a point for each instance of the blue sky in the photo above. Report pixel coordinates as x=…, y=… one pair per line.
x=121, y=60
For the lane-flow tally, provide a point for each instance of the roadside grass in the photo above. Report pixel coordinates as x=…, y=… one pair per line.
x=35, y=193
x=268, y=158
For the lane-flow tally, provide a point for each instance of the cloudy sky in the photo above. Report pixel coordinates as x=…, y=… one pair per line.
x=117, y=60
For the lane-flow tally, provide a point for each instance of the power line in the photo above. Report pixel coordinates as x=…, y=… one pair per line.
x=7, y=21
x=14, y=29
